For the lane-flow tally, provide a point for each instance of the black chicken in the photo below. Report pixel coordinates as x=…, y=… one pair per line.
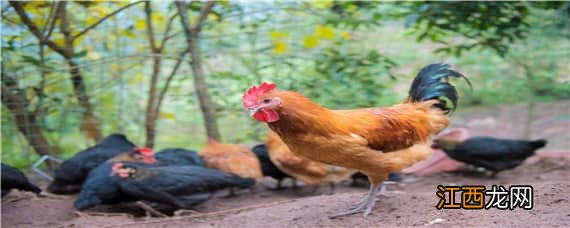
x=177, y=186
x=360, y=180
x=139, y=155
x=267, y=167
x=178, y=156
x=72, y=172
x=14, y=179
x=490, y=153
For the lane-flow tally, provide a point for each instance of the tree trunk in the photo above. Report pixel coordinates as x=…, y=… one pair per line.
x=151, y=106
x=192, y=35
x=527, y=131
x=15, y=100
x=151, y=115
x=89, y=123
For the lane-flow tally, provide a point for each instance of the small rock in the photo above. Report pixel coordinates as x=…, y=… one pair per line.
x=435, y=221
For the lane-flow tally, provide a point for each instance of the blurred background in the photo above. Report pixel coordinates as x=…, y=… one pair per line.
x=168, y=74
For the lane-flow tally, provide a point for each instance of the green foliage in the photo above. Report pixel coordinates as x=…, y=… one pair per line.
x=485, y=24
x=358, y=74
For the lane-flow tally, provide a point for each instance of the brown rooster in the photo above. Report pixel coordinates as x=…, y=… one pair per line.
x=374, y=141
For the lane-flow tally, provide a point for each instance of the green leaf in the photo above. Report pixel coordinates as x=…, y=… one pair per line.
x=80, y=54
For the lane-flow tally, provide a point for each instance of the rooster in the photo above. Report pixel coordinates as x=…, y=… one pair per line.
x=374, y=141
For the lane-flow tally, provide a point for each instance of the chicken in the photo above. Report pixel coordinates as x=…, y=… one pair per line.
x=72, y=172
x=374, y=141
x=12, y=178
x=311, y=172
x=100, y=188
x=439, y=161
x=99, y=183
x=231, y=158
x=490, y=153
x=359, y=179
x=178, y=156
x=143, y=155
x=268, y=168
x=176, y=186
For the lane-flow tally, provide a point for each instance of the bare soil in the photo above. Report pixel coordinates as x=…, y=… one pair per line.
x=411, y=203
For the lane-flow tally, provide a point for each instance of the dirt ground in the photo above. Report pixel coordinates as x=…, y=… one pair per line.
x=411, y=203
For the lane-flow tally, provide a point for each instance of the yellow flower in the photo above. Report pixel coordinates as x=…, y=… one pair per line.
x=325, y=32
x=99, y=10
x=157, y=19
x=345, y=35
x=213, y=17
x=280, y=47
x=310, y=42
x=168, y=115
x=91, y=20
x=59, y=41
x=140, y=24
x=275, y=35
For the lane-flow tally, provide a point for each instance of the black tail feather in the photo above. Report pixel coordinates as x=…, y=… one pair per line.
x=537, y=144
x=428, y=85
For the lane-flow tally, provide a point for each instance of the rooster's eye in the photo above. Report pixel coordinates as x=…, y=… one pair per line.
x=266, y=100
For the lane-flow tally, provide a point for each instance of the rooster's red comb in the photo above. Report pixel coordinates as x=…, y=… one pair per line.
x=250, y=97
x=145, y=151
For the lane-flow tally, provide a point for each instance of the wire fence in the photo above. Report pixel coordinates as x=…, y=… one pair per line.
x=117, y=85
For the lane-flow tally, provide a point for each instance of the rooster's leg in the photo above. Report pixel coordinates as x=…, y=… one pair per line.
x=372, y=202
x=382, y=189
x=366, y=204
x=362, y=200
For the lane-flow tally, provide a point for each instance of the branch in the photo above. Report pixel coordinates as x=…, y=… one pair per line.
x=65, y=30
x=33, y=27
x=204, y=12
x=27, y=21
x=149, y=28
x=105, y=18
x=52, y=24
x=52, y=10
x=40, y=91
x=168, y=79
x=165, y=37
x=173, y=35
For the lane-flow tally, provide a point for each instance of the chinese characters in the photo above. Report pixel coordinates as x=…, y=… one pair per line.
x=473, y=197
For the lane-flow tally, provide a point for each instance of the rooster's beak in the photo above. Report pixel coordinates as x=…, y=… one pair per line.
x=252, y=111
